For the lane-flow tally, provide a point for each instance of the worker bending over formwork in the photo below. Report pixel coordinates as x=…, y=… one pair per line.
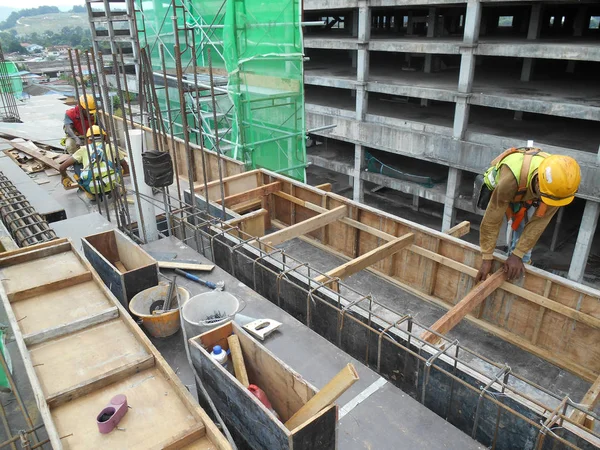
x=528, y=186
x=77, y=120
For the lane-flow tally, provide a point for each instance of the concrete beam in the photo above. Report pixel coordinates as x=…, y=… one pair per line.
x=433, y=143
x=320, y=80
x=416, y=45
x=585, y=238
x=435, y=194
x=578, y=51
x=331, y=43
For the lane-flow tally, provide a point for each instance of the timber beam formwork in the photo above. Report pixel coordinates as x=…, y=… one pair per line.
x=549, y=316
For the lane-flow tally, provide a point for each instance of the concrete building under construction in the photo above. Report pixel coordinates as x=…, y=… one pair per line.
x=437, y=89
x=380, y=336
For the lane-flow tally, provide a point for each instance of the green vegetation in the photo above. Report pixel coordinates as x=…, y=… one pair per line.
x=50, y=22
x=11, y=21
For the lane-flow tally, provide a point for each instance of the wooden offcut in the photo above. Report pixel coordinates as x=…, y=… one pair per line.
x=252, y=194
x=301, y=228
x=590, y=401
x=368, y=259
x=185, y=266
x=325, y=397
x=460, y=230
x=465, y=306
x=237, y=357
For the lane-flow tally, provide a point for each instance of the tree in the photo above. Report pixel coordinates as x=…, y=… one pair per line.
x=11, y=20
x=78, y=9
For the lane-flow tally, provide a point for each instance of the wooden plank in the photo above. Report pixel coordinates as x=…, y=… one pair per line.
x=325, y=397
x=56, y=308
x=465, y=306
x=252, y=194
x=238, y=176
x=47, y=269
x=238, y=360
x=34, y=153
x=368, y=259
x=185, y=266
x=324, y=187
x=589, y=401
x=460, y=230
x=120, y=267
x=62, y=283
x=186, y=437
x=100, y=381
x=306, y=226
x=71, y=327
x=34, y=252
x=241, y=208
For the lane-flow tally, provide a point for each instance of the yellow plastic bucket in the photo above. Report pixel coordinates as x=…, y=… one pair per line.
x=158, y=325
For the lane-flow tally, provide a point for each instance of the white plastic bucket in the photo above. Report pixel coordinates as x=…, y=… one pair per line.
x=200, y=307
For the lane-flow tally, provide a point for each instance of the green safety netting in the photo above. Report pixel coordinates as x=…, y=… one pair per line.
x=14, y=84
x=257, y=59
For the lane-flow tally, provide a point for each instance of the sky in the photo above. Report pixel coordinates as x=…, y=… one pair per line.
x=23, y=4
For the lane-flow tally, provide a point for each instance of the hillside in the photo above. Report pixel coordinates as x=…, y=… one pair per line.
x=50, y=22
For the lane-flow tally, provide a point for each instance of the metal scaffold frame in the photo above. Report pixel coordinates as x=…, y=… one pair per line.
x=255, y=118
x=8, y=102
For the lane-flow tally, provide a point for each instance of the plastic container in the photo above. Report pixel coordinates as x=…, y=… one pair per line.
x=220, y=355
x=197, y=312
x=158, y=325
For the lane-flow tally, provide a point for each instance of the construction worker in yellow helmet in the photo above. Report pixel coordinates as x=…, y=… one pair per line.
x=102, y=167
x=527, y=186
x=77, y=120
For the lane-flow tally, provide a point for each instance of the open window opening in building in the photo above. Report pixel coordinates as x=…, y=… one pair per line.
x=504, y=21
x=594, y=23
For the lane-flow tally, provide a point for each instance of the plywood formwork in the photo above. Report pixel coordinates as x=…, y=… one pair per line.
x=549, y=316
x=80, y=348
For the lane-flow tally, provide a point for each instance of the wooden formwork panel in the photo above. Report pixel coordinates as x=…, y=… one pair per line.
x=549, y=316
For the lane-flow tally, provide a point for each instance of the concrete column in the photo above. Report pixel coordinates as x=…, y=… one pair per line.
x=362, y=66
x=533, y=32
x=415, y=203
x=145, y=210
x=570, y=66
x=467, y=68
x=431, y=22
x=353, y=58
x=589, y=221
x=409, y=24
x=580, y=21
x=358, y=191
x=555, y=233
x=354, y=27
x=454, y=178
x=362, y=100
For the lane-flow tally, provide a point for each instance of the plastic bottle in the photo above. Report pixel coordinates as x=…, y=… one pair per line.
x=220, y=355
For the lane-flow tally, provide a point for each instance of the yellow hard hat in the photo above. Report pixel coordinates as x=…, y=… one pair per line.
x=90, y=102
x=559, y=178
x=95, y=130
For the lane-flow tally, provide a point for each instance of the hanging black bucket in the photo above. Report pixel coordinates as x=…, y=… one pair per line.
x=158, y=169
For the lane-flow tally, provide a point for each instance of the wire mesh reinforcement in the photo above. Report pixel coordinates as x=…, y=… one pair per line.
x=21, y=219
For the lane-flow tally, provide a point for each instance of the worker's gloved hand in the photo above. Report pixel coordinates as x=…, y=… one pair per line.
x=67, y=182
x=514, y=267
x=484, y=270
